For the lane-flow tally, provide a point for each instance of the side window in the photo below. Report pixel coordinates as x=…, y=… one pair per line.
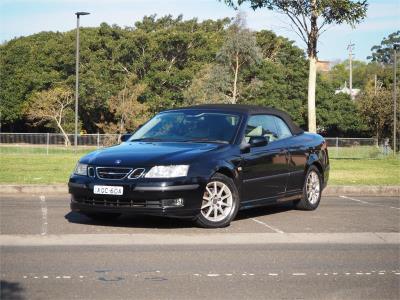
x=283, y=129
x=261, y=125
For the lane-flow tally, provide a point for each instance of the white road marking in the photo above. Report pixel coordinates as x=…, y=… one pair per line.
x=66, y=277
x=229, y=274
x=359, y=273
x=397, y=273
x=266, y=225
x=368, y=203
x=212, y=275
x=334, y=273
x=272, y=274
x=43, y=207
x=299, y=274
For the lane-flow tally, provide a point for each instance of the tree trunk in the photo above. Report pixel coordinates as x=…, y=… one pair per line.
x=312, y=77
x=66, y=138
x=234, y=94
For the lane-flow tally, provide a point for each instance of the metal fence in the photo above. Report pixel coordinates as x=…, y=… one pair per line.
x=356, y=148
x=54, y=143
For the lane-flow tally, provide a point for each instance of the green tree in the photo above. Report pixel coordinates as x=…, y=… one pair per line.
x=240, y=50
x=50, y=106
x=376, y=108
x=128, y=111
x=309, y=19
x=383, y=53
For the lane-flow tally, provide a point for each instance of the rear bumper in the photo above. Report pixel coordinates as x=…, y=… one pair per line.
x=139, y=197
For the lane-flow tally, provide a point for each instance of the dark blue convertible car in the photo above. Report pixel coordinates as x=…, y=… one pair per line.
x=205, y=163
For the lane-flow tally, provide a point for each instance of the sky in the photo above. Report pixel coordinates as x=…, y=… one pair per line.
x=25, y=17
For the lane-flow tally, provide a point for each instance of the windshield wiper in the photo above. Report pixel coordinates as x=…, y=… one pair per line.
x=205, y=140
x=146, y=140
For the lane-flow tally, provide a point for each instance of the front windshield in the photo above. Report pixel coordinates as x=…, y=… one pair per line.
x=189, y=126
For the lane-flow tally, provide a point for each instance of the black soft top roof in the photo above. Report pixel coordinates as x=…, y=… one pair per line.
x=250, y=110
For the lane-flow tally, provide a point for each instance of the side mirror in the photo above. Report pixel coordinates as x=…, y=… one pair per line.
x=125, y=137
x=258, y=141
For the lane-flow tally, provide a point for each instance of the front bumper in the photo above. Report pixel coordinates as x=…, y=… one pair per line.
x=139, y=197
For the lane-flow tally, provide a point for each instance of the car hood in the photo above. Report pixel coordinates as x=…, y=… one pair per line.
x=141, y=154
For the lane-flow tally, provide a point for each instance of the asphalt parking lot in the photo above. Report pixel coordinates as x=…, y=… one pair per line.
x=347, y=249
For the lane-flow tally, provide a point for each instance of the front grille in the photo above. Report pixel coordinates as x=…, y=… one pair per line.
x=114, y=203
x=112, y=173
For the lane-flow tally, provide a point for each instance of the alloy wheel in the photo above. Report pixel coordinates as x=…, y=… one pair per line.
x=217, y=201
x=313, y=187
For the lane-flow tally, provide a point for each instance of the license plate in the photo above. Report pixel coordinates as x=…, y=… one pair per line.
x=108, y=190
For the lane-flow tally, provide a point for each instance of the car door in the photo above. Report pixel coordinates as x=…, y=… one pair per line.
x=297, y=155
x=265, y=168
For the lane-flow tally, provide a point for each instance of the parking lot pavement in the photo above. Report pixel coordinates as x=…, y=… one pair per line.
x=349, y=248
x=51, y=215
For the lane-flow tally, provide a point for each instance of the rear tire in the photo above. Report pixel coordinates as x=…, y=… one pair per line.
x=102, y=216
x=312, y=190
x=220, y=203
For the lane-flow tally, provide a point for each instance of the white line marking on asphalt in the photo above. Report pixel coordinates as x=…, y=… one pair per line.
x=66, y=277
x=299, y=274
x=347, y=273
x=266, y=225
x=273, y=274
x=45, y=276
x=368, y=203
x=212, y=275
x=359, y=273
x=229, y=274
x=334, y=273
x=196, y=274
x=397, y=273
x=43, y=207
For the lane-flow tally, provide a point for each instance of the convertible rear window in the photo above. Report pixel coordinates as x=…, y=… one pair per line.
x=190, y=126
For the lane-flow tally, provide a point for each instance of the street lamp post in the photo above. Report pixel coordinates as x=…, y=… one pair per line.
x=78, y=14
x=396, y=46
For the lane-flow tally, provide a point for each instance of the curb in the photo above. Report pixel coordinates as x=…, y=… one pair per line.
x=334, y=190
x=362, y=190
x=223, y=239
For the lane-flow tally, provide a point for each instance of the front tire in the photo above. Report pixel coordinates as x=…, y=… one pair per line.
x=312, y=190
x=220, y=203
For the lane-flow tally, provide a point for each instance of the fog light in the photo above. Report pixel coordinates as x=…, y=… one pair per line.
x=172, y=202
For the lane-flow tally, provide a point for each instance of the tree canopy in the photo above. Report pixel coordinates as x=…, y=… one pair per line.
x=128, y=74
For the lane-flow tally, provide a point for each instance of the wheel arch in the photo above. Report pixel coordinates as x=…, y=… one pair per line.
x=318, y=165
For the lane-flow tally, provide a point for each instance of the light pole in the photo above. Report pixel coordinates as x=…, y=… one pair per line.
x=395, y=47
x=78, y=14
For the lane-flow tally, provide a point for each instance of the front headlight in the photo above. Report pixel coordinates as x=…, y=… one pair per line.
x=167, y=171
x=81, y=169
